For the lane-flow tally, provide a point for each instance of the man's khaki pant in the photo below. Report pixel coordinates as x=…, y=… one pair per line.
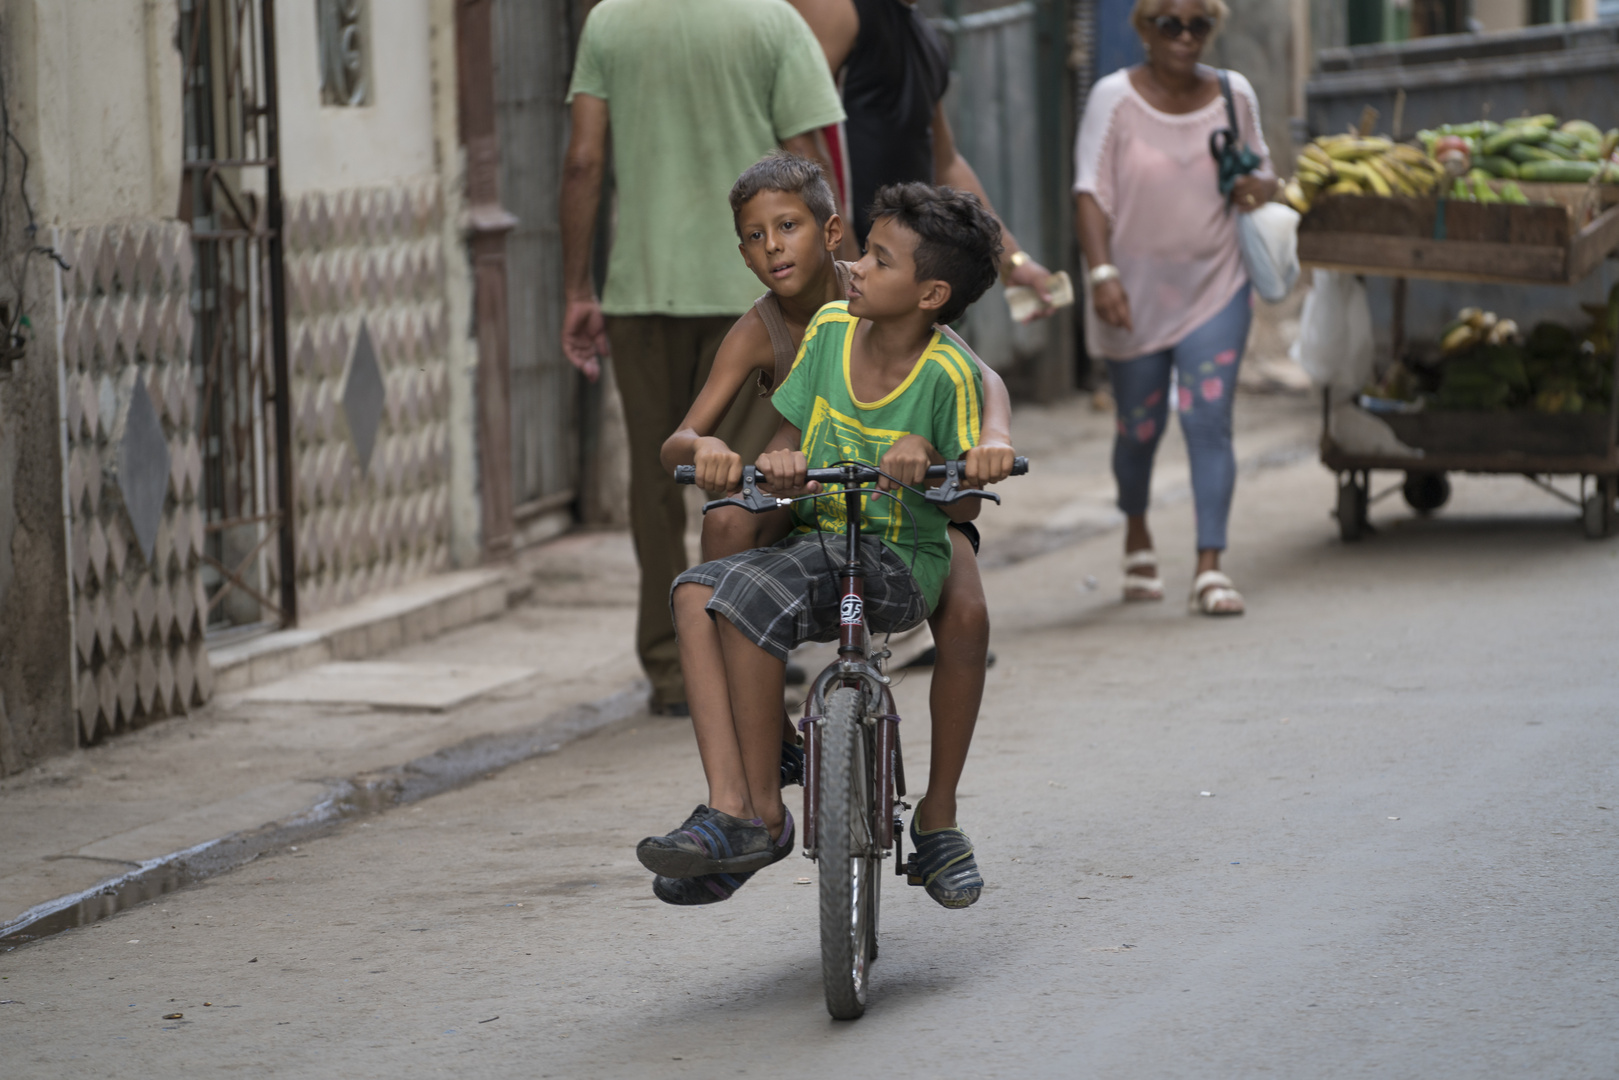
x=662, y=362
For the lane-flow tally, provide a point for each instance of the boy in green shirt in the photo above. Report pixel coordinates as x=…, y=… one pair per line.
x=873, y=382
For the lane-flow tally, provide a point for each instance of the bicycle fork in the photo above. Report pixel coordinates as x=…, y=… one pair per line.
x=888, y=783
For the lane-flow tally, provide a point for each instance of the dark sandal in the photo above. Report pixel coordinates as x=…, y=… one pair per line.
x=944, y=865
x=697, y=891
x=712, y=842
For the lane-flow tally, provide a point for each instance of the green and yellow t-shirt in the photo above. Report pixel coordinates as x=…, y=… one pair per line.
x=940, y=400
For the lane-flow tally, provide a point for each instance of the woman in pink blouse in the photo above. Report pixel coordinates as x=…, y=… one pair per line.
x=1165, y=277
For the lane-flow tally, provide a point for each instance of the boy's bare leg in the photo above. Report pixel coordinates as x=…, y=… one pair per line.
x=709, y=696
x=732, y=530
x=755, y=680
x=961, y=642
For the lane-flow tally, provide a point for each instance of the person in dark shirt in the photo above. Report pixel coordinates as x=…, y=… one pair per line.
x=894, y=70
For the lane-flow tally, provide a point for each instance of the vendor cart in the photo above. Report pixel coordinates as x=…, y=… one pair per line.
x=1437, y=239
x=1541, y=253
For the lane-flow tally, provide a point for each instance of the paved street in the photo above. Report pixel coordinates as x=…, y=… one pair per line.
x=1370, y=829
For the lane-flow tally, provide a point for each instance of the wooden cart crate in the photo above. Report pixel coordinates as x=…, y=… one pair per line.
x=1466, y=241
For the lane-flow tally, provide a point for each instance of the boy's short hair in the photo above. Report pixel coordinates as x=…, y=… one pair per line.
x=789, y=174
x=959, y=241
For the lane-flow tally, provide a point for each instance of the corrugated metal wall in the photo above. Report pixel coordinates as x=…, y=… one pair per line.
x=532, y=64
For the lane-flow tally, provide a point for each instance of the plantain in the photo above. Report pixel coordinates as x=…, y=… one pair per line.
x=1392, y=180
x=1314, y=153
x=1295, y=196
x=1345, y=187
x=1459, y=339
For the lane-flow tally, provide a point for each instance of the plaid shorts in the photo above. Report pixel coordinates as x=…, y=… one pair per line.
x=779, y=596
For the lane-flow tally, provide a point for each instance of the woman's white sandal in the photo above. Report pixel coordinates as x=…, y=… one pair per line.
x=1213, y=594
x=1139, y=587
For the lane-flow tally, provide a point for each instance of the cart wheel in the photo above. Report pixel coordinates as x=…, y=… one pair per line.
x=1351, y=508
x=1426, y=492
x=1599, y=508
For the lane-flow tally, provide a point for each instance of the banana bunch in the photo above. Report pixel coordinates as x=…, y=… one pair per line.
x=1360, y=165
x=1475, y=326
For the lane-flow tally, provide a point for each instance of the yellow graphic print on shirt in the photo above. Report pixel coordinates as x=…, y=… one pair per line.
x=831, y=436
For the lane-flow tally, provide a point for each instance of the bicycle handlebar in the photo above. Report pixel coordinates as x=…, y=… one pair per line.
x=756, y=501
x=862, y=474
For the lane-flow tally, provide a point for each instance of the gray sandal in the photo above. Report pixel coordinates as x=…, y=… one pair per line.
x=944, y=865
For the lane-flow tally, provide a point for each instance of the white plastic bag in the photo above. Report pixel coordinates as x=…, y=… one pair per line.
x=1335, y=333
x=1269, y=238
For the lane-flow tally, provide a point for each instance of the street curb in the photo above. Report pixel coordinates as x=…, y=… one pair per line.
x=359, y=796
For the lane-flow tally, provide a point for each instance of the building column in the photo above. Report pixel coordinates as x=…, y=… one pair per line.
x=488, y=222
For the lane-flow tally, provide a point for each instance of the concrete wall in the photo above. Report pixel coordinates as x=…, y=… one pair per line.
x=373, y=239
x=1258, y=41
x=103, y=149
x=391, y=139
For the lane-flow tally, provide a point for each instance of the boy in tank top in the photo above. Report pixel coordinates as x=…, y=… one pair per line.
x=789, y=230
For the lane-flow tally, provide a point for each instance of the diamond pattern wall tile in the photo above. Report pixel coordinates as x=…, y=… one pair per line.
x=146, y=682
x=89, y=704
x=123, y=617
x=145, y=606
x=163, y=611
x=126, y=690
x=117, y=550
x=364, y=395
x=107, y=694
x=185, y=677
x=165, y=682
x=143, y=467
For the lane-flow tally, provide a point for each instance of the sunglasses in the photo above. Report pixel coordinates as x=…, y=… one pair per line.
x=1170, y=27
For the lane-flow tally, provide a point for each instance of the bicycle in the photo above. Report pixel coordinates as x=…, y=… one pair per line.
x=854, y=775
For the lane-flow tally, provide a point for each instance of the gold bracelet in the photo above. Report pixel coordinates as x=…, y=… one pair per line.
x=1011, y=263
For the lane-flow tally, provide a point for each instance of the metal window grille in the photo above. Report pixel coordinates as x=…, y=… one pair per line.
x=344, y=48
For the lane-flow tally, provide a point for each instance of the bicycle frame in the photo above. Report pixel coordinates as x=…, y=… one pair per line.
x=857, y=666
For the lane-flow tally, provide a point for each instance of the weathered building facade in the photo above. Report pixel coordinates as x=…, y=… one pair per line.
x=256, y=296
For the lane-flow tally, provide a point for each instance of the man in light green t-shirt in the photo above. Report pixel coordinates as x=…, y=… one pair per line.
x=692, y=93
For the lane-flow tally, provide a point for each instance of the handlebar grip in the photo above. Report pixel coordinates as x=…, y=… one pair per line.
x=1020, y=465
x=685, y=474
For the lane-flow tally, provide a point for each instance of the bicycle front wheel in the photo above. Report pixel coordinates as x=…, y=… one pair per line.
x=848, y=853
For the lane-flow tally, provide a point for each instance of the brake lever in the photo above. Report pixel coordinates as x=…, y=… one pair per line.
x=951, y=492
x=752, y=500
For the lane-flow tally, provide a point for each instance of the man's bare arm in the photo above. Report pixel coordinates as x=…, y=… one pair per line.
x=584, y=331
x=835, y=24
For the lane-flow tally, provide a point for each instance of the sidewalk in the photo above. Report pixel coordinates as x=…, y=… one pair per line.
x=263, y=766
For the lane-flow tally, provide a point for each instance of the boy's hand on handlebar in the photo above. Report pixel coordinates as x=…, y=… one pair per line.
x=719, y=468
x=784, y=473
x=988, y=463
x=907, y=461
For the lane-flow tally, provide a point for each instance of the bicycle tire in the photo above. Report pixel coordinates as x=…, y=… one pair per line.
x=849, y=874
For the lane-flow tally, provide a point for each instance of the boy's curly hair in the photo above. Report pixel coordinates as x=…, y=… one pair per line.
x=790, y=175
x=960, y=241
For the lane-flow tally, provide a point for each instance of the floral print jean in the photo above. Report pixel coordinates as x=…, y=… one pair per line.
x=1204, y=367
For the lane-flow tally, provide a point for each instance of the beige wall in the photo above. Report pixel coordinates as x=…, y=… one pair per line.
x=106, y=148
x=329, y=148
x=1500, y=14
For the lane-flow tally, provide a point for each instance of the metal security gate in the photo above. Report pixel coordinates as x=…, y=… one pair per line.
x=1009, y=109
x=532, y=44
x=231, y=196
